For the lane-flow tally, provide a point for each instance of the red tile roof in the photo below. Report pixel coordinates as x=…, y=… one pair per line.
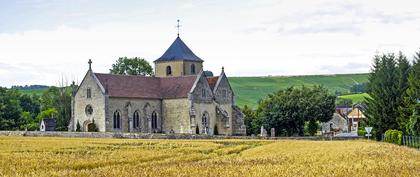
x=146, y=86
x=212, y=81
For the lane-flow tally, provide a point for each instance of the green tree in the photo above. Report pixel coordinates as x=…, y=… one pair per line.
x=312, y=127
x=386, y=86
x=132, y=66
x=252, y=123
x=58, y=98
x=344, y=102
x=288, y=110
x=49, y=113
x=413, y=126
x=411, y=97
x=10, y=110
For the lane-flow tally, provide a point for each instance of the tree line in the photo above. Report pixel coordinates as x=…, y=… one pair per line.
x=20, y=111
x=394, y=88
x=294, y=111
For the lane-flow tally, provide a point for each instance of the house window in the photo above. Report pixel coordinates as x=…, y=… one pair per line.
x=117, y=120
x=168, y=71
x=88, y=93
x=136, y=119
x=154, y=120
x=192, y=68
x=89, y=110
x=203, y=92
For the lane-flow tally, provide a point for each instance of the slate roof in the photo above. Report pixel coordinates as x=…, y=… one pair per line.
x=145, y=86
x=179, y=51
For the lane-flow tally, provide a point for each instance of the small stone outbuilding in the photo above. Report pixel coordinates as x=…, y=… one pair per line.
x=338, y=124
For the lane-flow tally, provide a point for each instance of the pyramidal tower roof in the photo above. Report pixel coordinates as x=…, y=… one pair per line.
x=179, y=51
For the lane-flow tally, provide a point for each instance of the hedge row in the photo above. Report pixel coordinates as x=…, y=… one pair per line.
x=393, y=136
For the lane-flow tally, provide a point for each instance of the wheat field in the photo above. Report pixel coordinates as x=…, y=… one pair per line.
x=42, y=156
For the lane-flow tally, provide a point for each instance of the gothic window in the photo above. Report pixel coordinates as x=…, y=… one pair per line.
x=168, y=71
x=88, y=93
x=154, y=120
x=192, y=68
x=136, y=119
x=203, y=92
x=117, y=120
x=205, y=122
x=88, y=110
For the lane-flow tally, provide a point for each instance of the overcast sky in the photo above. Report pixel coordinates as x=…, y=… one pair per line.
x=43, y=40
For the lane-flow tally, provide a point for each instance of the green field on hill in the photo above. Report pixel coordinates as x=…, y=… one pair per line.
x=249, y=90
x=34, y=91
x=356, y=98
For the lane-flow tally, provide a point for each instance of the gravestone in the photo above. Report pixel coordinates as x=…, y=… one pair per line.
x=273, y=132
x=263, y=132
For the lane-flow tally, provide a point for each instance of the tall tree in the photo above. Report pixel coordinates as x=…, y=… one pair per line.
x=10, y=110
x=412, y=97
x=132, y=66
x=387, y=82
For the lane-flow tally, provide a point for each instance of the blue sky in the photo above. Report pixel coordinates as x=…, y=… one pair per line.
x=42, y=41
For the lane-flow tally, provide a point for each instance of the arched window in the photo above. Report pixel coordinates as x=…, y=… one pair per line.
x=192, y=68
x=154, y=120
x=117, y=120
x=168, y=71
x=136, y=119
x=205, y=122
x=88, y=93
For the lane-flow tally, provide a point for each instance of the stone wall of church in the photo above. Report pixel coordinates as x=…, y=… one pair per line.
x=177, y=68
x=127, y=107
x=208, y=110
x=177, y=117
x=97, y=101
x=224, y=97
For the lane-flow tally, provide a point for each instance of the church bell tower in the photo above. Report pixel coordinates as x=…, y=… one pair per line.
x=178, y=60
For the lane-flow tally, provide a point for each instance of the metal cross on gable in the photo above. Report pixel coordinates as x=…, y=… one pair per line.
x=177, y=26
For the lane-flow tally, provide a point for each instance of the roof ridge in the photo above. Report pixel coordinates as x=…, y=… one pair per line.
x=178, y=50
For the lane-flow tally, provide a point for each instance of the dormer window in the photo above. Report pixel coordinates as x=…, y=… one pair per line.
x=168, y=71
x=192, y=68
x=88, y=93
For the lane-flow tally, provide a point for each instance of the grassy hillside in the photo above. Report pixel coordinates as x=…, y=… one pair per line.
x=53, y=156
x=250, y=89
x=356, y=98
x=34, y=91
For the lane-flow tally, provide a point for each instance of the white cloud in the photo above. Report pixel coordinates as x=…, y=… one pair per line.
x=246, y=37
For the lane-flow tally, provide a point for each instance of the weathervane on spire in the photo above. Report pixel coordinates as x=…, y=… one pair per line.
x=178, y=27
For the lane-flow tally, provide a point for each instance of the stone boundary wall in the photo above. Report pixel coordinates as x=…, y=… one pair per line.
x=158, y=136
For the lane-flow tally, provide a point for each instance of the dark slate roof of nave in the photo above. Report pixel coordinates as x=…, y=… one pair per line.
x=146, y=87
x=179, y=51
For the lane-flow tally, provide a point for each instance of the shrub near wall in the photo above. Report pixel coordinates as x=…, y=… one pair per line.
x=393, y=136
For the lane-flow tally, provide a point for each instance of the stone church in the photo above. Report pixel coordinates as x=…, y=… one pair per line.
x=180, y=98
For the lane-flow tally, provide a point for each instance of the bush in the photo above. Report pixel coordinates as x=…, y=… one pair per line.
x=216, y=131
x=361, y=132
x=393, y=136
